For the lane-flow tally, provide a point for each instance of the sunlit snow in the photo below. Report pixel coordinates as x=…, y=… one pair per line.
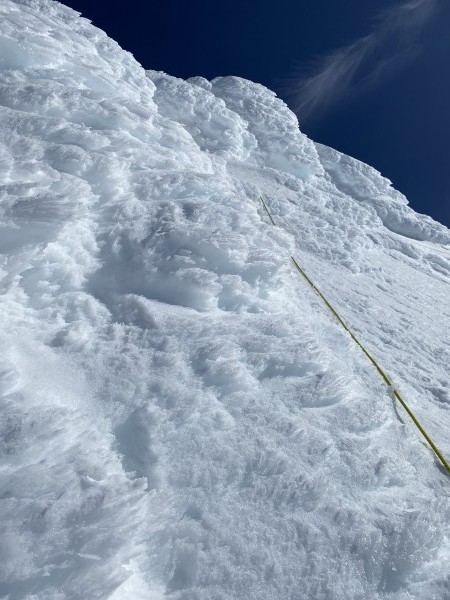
x=180, y=415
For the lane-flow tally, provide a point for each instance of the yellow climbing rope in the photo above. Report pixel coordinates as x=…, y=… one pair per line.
x=386, y=379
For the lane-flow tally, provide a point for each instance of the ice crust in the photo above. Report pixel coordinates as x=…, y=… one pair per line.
x=180, y=417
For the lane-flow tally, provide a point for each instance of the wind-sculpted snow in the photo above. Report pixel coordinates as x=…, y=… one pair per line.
x=361, y=182
x=180, y=417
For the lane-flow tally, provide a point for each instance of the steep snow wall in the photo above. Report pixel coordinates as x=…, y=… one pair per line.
x=180, y=417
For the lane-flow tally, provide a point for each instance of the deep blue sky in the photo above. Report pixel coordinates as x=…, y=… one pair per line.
x=400, y=124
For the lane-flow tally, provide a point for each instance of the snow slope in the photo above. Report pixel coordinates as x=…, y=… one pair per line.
x=180, y=416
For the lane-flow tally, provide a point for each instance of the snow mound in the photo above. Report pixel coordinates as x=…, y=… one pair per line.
x=180, y=417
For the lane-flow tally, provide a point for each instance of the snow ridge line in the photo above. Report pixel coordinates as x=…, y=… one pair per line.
x=381, y=371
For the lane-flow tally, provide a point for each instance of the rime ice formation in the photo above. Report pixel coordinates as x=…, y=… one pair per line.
x=180, y=416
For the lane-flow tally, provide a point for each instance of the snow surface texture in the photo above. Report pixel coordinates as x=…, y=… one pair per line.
x=180, y=416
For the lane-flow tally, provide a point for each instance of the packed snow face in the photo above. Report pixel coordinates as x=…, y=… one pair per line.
x=180, y=416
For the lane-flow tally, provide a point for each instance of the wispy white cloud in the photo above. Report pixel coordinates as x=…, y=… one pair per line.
x=349, y=70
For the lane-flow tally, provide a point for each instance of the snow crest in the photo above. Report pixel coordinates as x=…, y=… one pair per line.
x=180, y=417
